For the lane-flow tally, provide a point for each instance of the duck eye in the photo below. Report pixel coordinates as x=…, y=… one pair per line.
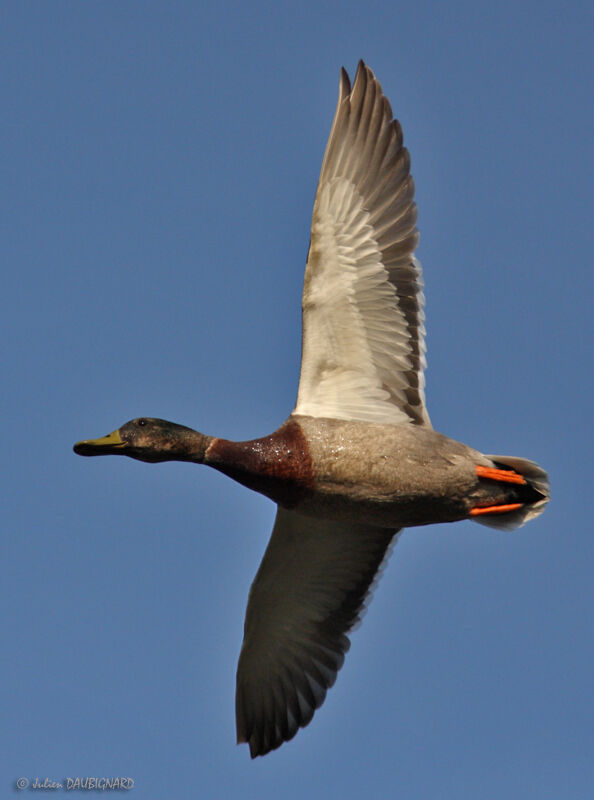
x=141, y=423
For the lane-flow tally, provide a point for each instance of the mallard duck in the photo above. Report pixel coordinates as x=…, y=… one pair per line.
x=357, y=460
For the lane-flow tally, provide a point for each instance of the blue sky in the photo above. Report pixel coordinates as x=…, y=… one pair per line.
x=158, y=163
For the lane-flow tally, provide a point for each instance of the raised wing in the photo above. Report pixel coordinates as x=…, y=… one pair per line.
x=363, y=351
x=308, y=593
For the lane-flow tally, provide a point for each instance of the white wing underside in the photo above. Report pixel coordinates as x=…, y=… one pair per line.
x=363, y=351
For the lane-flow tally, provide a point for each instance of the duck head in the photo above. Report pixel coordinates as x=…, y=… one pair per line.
x=148, y=439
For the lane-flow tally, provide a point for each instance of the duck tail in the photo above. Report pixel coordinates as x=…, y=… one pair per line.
x=532, y=494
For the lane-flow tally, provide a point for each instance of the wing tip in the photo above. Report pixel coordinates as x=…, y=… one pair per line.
x=362, y=73
x=260, y=741
x=345, y=85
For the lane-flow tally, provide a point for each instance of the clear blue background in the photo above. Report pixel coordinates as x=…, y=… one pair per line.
x=158, y=166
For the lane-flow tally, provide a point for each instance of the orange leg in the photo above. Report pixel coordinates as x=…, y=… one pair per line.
x=502, y=475
x=475, y=512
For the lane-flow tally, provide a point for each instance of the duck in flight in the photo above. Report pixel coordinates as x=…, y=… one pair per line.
x=357, y=460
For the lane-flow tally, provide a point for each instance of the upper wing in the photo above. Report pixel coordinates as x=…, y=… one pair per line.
x=308, y=593
x=363, y=350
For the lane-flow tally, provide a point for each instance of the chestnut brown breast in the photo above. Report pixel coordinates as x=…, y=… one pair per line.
x=278, y=466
